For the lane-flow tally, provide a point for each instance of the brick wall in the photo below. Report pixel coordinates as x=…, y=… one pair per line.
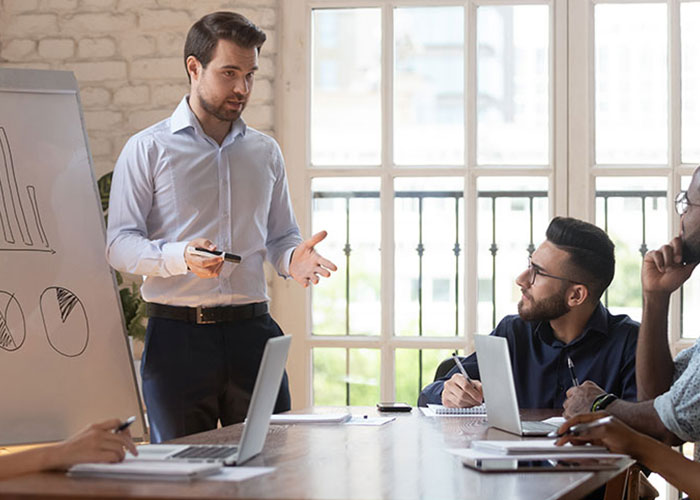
x=127, y=58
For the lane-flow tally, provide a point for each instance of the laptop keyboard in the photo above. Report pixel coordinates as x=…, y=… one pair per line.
x=535, y=426
x=206, y=452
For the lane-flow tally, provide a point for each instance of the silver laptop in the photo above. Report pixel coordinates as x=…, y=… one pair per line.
x=499, y=389
x=267, y=386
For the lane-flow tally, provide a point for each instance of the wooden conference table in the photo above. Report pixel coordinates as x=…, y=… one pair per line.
x=404, y=459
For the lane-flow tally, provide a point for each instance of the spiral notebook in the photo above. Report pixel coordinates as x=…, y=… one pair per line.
x=443, y=411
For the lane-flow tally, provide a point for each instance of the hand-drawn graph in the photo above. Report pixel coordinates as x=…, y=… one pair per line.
x=13, y=329
x=15, y=233
x=65, y=321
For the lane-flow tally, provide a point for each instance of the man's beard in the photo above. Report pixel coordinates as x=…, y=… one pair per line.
x=219, y=112
x=691, y=247
x=552, y=307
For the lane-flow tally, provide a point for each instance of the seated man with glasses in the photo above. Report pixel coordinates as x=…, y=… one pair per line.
x=668, y=389
x=562, y=333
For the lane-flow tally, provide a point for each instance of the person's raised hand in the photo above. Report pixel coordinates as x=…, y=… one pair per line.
x=663, y=270
x=203, y=267
x=458, y=392
x=307, y=265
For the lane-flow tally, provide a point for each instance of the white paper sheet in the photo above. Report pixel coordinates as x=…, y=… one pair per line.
x=238, y=473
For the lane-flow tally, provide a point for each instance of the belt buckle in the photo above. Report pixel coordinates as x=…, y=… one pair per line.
x=199, y=317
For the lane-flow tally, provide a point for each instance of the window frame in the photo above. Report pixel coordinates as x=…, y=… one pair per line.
x=572, y=172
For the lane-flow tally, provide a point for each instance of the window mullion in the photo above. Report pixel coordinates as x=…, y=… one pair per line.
x=387, y=389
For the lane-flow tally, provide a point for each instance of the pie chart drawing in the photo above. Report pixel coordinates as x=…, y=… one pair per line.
x=13, y=329
x=65, y=321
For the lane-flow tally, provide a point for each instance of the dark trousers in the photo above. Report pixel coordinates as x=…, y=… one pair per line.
x=194, y=375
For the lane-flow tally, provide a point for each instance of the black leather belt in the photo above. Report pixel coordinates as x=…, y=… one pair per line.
x=206, y=315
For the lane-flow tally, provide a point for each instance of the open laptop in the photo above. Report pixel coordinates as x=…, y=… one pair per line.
x=267, y=386
x=499, y=389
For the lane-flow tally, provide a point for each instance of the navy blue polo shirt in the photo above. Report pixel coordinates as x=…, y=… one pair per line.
x=604, y=353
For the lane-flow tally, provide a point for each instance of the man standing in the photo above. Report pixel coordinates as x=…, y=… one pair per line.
x=668, y=390
x=203, y=178
x=562, y=332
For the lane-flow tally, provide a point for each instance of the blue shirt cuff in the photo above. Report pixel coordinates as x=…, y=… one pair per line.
x=174, y=257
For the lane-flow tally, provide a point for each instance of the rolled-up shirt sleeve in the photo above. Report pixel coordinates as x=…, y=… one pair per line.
x=128, y=247
x=679, y=407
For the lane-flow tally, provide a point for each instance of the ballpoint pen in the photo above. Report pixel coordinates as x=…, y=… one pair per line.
x=125, y=424
x=461, y=368
x=571, y=371
x=580, y=428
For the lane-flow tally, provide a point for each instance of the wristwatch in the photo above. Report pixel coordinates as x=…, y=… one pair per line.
x=602, y=401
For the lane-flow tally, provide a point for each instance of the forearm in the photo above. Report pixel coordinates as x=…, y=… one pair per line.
x=684, y=474
x=643, y=417
x=135, y=254
x=27, y=461
x=654, y=371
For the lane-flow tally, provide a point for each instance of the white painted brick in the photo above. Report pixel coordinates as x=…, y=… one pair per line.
x=263, y=18
x=267, y=67
x=172, y=44
x=102, y=120
x=270, y=45
x=138, y=94
x=99, y=71
x=98, y=5
x=31, y=24
x=157, y=69
x=123, y=5
x=96, y=47
x=18, y=49
x=98, y=23
x=151, y=20
x=139, y=120
x=93, y=97
x=262, y=92
x=17, y=6
x=260, y=117
x=168, y=95
x=56, y=48
x=102, y=166
x=100, y=146
x=59, y=4
x=30, y=65
x=137, y=46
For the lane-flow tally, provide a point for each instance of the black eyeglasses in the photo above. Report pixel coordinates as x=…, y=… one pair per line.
x=534, y=271
x=682, y=203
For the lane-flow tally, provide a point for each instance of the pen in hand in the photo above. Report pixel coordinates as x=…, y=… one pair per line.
x=125, y=424
x=578, y=429
x=461, y=368
x=572, y=372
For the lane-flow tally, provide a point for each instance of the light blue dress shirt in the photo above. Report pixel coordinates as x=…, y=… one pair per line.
x=172, y=183
x=679, y=407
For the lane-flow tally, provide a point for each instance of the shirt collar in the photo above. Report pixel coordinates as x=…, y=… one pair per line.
x=598, y=322
x=183, y=118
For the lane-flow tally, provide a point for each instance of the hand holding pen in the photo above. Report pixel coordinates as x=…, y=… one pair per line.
x=602, y=429
x=461, y=391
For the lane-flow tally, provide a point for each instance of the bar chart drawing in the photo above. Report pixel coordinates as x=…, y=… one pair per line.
x=15, y=230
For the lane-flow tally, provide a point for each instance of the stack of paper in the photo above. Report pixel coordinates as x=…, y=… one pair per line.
x=307, y=418
x=152, y=470
x=533, y=446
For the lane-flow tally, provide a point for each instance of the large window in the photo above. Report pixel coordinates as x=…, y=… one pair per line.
x=435, y=140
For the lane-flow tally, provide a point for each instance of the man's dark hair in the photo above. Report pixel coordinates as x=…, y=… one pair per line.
x=591, y=253
x=206, y=33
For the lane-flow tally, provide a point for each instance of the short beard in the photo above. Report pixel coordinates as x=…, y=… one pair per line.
x=218, y=112
x=552, y=307
x=691, y=248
